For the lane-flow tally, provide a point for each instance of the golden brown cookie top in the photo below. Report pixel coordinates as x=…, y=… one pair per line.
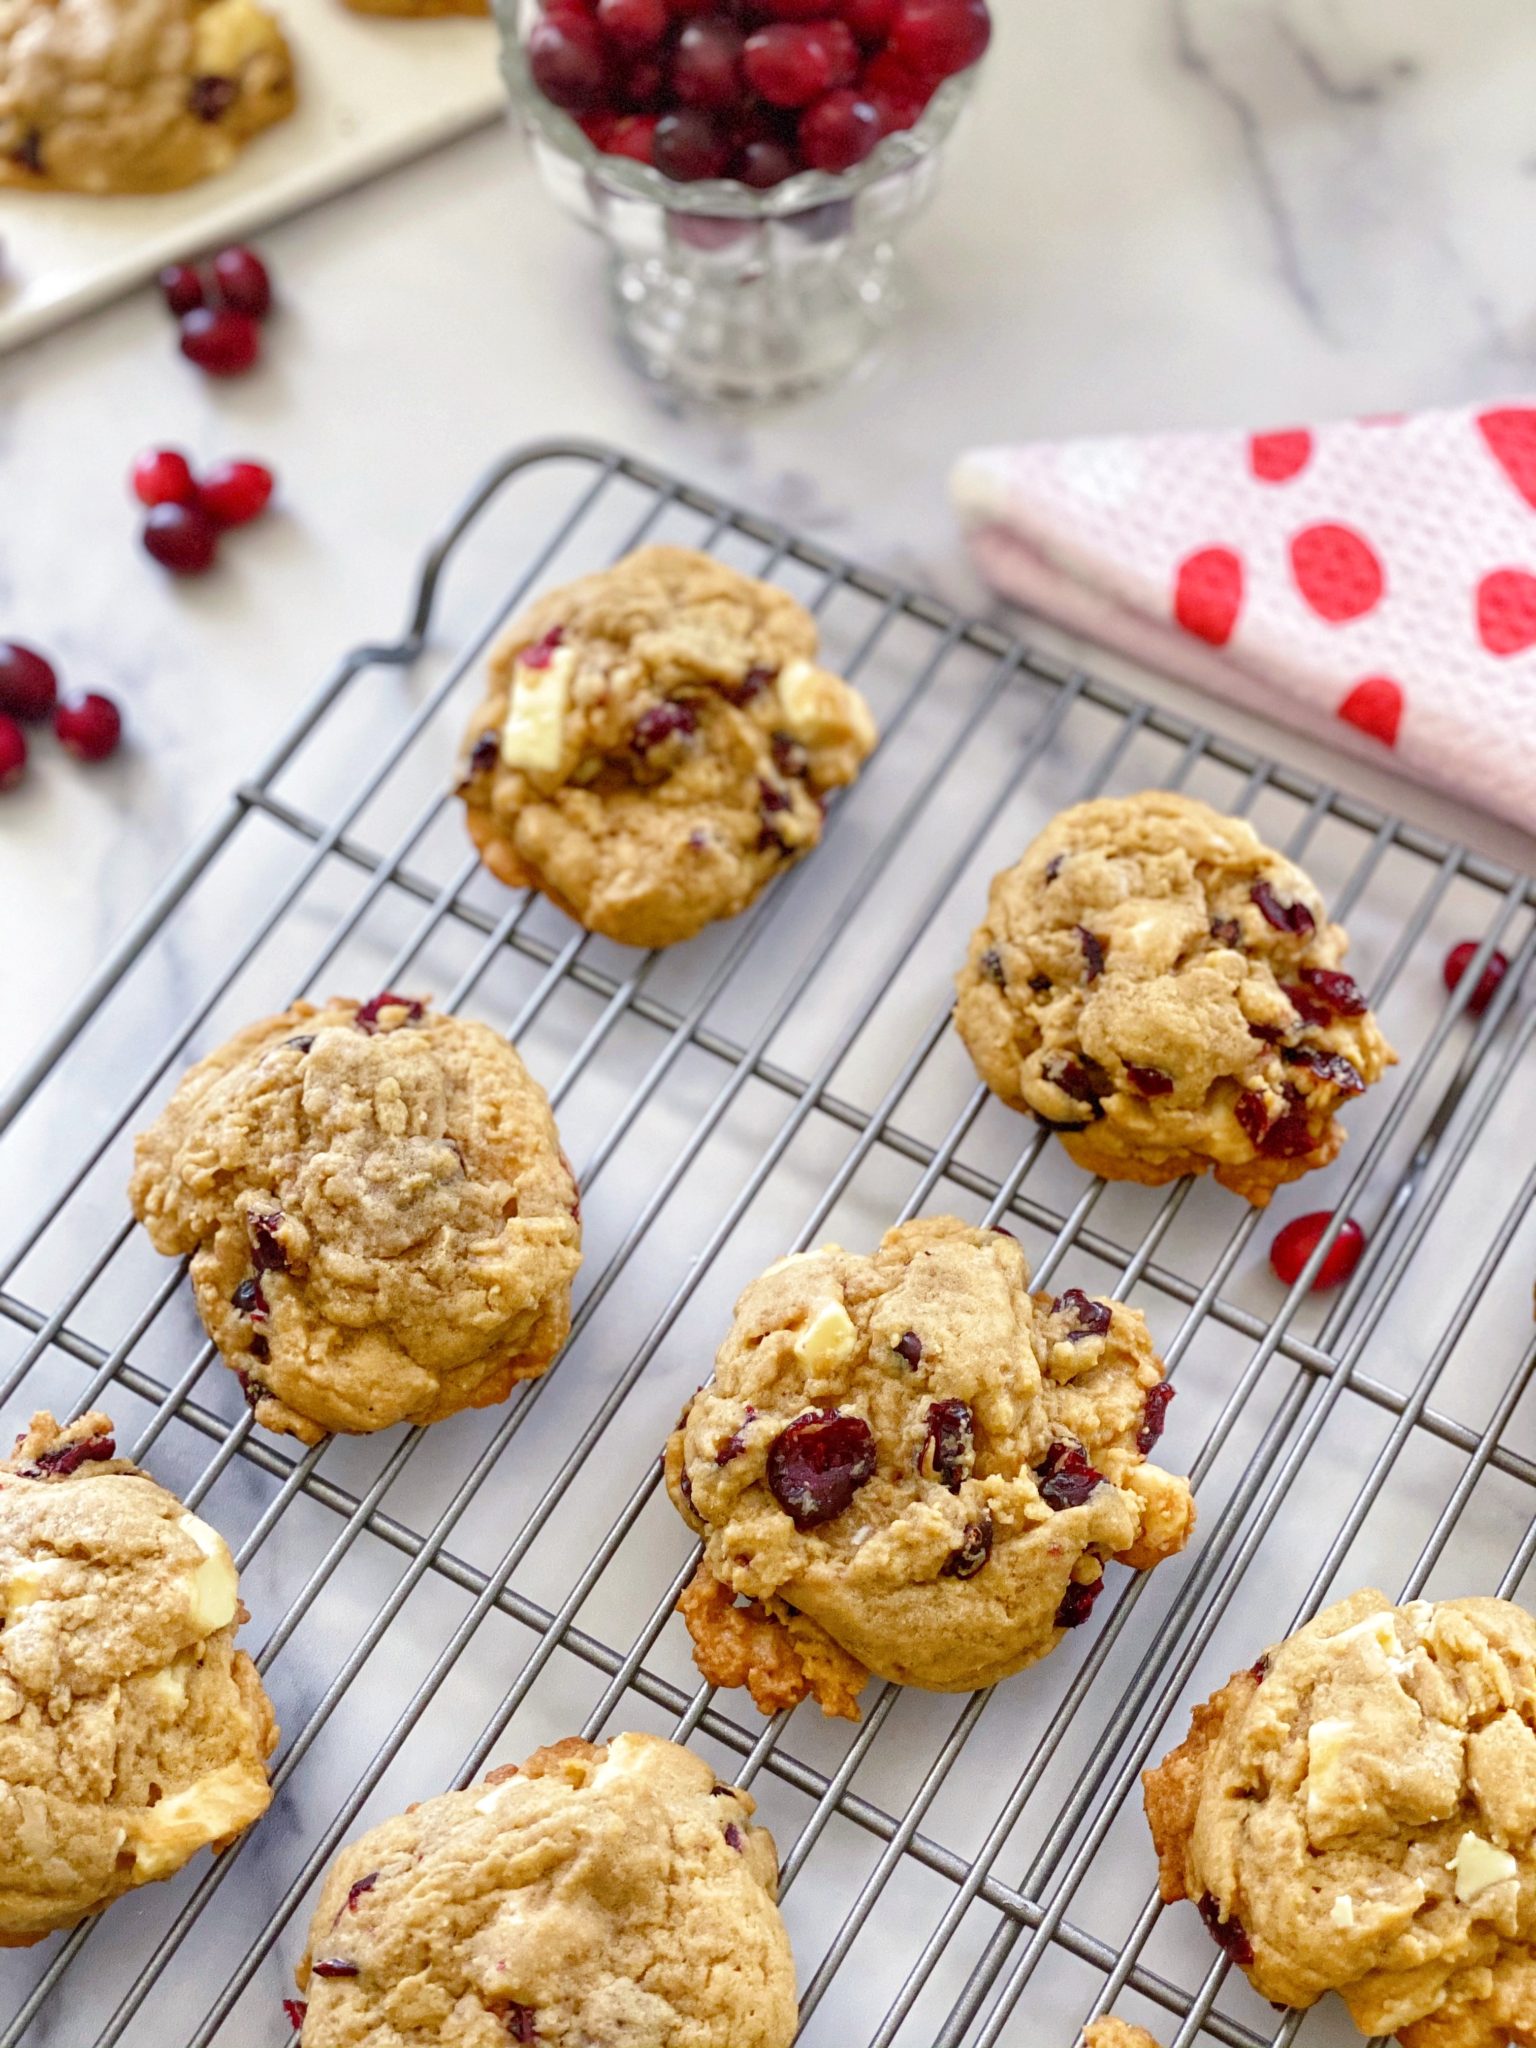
x=1358, y=1814
x=922, y=1458
x=609, y=1894
x=655, y=745
x=134, y=95
x=380, y=1214
x=1153, y=977
x=132, y=1733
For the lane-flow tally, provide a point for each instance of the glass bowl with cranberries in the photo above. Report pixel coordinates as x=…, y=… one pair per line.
x=750, y=164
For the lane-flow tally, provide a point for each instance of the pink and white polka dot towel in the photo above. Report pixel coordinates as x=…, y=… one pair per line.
x=1372, y=582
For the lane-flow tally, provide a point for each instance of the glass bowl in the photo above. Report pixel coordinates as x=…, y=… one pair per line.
x=727, y=294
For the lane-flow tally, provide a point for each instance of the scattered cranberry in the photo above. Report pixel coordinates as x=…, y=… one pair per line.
x=818, y=1464
x=1066, y=1479
x=234, y=493
x=89, y=729
x=671, y=719
x=1093, y=953
x=356, y=1891
x=66, y=1458
x=519, y=2021
x=900, y=98
x=296, y=2011
x=839, y=131
x=909, y=1349
x=181, y=287
x=1090, y=1318
x=367, y=1018
x=1285, y=917
x=29, y=688
x=1332, y=1067
x=181, y=538
x=568, y=60
x=634, y=24
x=706, y=66
x=765, y=163
x=688, y=146
x=1295, y=1244
x=1252, y=1113
x=13, y=752
x=1078, y=1603
x=1154, y=1415
x=992, y=968
x=1338, y=991
x=222, y=342
x=870, y=20
x=266, y=1246
x=243, y=283
x=334, y=1966
x=734, y=1838
x=1149, y=1080
x=736, y=1442
x=1459, y=959
x=163, y=476
x=940, y=37
x=790, y=64
x=975, y=1548
x=948, y=1451
x=249, y=1301
x=1229, y=1935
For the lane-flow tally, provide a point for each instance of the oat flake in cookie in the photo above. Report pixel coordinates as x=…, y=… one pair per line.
x=132, y=1732
x=597, y=1897
x=1167, y=993
x=1357, y=1814
x=656, y=746
x=111, y=96
x=908, y=1465
x=381, y=1223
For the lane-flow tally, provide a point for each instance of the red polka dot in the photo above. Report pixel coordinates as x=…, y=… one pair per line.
x=1375, y=706
x=1336, y=572
x=1276, y=458
x=1208, y=594
x=1506, y=611
x=1510, y=432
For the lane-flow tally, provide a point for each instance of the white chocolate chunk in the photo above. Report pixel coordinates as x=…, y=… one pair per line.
x=533, y=736
x=1377, y=1628
x=801, y=697
x=1343, y=1914
x=828, y=1338
x=1328, y=1744
x=214, y=1807
x=1478, y=1865
x=227, y=35
x=28, y=1583
x=213, y=1591
x=170, y=1687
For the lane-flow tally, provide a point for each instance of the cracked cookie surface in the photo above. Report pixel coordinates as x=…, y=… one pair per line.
x=132, y=1732
x=596, y=1897
x=908, y=1465
x=1358, y=1814
x=655, y=745
x=381, y=1223
x=1166, y=993
x=107, y=96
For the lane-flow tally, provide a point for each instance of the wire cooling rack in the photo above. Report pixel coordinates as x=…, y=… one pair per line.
x=956, y=1870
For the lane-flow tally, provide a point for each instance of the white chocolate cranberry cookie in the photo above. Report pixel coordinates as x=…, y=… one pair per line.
x=132, y=1732
x=109, y=96
x=1165, y=992
x=594, y=1896
x=656, y=745
x=381, y=1223
x=1357, y=1814
x=908, y=1465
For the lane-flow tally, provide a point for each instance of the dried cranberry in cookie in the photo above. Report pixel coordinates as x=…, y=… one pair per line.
x=381, y=1223
x=1357, y=1813
x=907, y=1464
x=609, y=1894
x=1166, y=992
x=102, y=97
x=656, y=744
x=132, y=1732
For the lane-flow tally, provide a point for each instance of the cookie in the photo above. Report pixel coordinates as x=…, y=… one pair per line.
x=594, y=1896
x=655, y=746
x=1357, y=1814
x=109, y=96
x=1156, y=985
x=381, y=1223
x=1116, y=2034
x=908, y=1465
x=132, y=1732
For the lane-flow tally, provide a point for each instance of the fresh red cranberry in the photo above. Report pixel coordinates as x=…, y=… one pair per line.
x=1296, y=1243
x=598, y=128
x=1229, y=1935
x=870, y=20
x=1154, y=1415
x=234, y=493
x=898, y=95
x=706, y=66
x=1093, y=953
x=671, y=719
x=219, y=340
x=795, y=10
x=689, y=145
x=975, y=1548
x=367, y=1018
x=1459, y=959
x=163, y=476
x=940, y=37
x=181, y=288
x=839, y=131
x=790, y=64
x=181, y=538
x=634, y=136
x=29, y=686
x=568, y=61
x=13, y=752
x=1078, y=1603
x=1090, y=1318
x=1285, y=917
x=1066, y=1479
x=818, y=1464
x=948, y=1451
x=243, y=283
x=634, y=25
x=89, y=729
x=1149, y=1080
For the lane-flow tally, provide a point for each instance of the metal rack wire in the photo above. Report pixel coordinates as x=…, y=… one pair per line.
x=956, y=1871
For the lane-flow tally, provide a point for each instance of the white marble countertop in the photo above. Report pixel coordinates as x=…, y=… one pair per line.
x=1187, y=212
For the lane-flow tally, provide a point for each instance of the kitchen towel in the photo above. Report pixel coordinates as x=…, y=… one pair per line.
x=1371, y=582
